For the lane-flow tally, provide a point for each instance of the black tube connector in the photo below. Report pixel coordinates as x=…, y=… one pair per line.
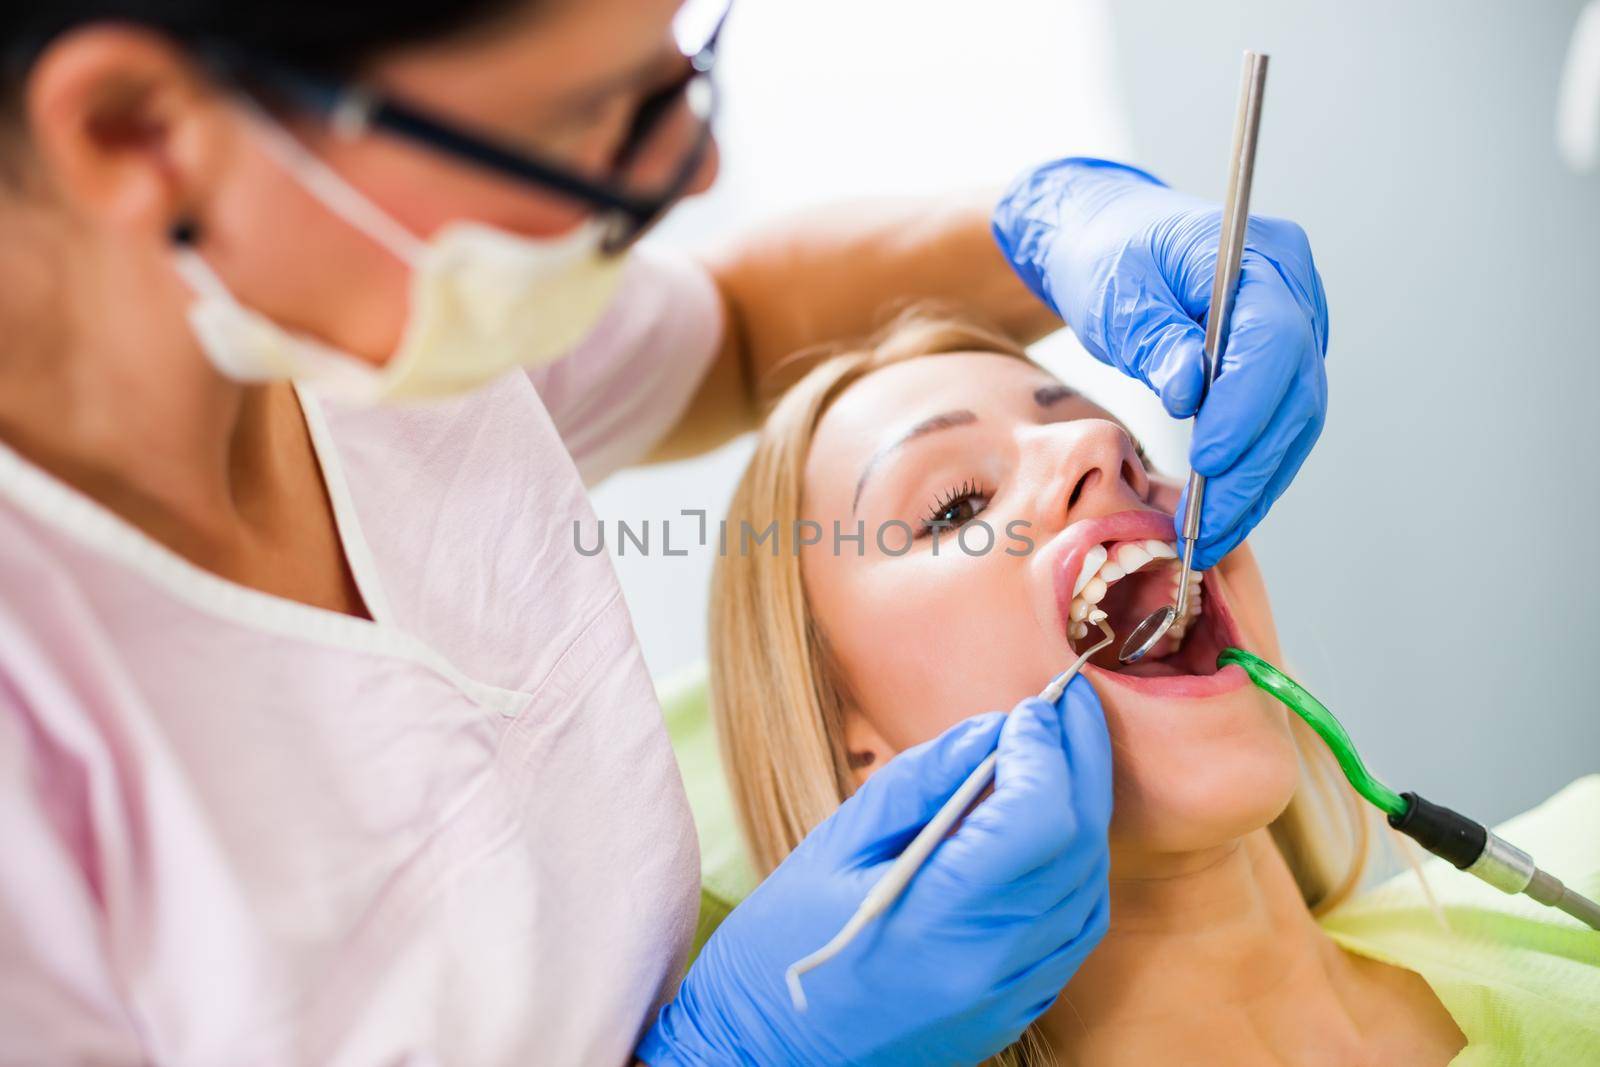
x=1443, y=832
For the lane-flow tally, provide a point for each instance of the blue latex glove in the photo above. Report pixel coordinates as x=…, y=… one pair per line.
x=1128, y=263
x=984, y=939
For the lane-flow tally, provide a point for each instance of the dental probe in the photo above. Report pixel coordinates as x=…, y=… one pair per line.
x=1447, y=834
x=1224, y=286
x=894, y=881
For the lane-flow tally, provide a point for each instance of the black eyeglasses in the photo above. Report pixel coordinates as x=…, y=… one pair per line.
x=624, y=200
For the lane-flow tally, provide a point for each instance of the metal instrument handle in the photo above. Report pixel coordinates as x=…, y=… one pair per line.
x=1235, y=217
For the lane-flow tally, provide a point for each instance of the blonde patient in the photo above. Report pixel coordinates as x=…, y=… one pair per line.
x=1011, y=509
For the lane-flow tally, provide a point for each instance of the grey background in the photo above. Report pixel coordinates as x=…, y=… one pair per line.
x=1432, y=567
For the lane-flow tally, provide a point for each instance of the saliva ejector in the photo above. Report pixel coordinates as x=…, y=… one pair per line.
x=1447, y=834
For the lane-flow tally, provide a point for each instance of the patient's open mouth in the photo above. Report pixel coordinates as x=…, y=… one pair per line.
x=1124, y=578
x=1125, y=581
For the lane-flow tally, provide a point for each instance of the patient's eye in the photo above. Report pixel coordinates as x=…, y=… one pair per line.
x=955, y=508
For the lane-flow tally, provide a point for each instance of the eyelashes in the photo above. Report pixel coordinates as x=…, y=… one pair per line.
x=956, y=507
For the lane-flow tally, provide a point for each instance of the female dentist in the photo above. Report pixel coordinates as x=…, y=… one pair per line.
x=319, y=742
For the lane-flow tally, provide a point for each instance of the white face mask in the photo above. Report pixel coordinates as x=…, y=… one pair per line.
x=482, y=301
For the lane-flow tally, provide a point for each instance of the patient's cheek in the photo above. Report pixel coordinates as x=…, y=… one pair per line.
x=1165, y=493
x=905, y=668
x=1247, y=593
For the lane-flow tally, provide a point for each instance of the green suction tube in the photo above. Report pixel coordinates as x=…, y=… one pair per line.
x=1446, y=833
x=1320, y=719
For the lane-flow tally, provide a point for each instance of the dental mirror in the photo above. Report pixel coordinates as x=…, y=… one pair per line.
x=1224, y=286
x=1147, y=633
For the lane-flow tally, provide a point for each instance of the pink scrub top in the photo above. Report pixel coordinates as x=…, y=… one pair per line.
x=240, y=830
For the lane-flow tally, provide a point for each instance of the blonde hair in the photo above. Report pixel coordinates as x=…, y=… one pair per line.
x=779, y=700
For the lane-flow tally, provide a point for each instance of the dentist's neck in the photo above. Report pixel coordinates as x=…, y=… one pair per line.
x=1211, y=957
x=103, y=385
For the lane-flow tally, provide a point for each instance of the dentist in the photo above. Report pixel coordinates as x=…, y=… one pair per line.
x=319, y=743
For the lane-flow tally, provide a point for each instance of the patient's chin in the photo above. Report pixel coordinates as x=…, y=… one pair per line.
x=1204, y=814
x=1193, y=786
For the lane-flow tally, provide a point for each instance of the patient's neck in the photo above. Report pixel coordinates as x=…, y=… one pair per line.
x=1214, y=958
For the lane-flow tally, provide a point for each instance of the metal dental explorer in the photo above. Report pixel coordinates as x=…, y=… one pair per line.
x=900, y=872
x=1224, y=286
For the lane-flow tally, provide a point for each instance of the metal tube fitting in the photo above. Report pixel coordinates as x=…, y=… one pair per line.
x=1504, y=866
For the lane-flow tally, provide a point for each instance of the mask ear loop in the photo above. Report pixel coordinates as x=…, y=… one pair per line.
x=184, y=233
x=209, y=289
x=329, y=187
x=215, y=316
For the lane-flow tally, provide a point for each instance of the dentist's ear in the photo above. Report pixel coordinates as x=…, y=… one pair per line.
x=126, y=131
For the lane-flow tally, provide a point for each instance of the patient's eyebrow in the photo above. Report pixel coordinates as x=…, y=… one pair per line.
x=1046, y=395
x=942, y=421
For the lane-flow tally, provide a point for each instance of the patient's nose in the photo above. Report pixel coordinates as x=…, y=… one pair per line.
x=1091, y=469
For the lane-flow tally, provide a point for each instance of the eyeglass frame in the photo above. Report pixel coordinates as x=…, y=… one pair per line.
x=353, y=109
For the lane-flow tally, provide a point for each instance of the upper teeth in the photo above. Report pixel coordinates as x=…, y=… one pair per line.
x=1103, y=568
x=1091, y=566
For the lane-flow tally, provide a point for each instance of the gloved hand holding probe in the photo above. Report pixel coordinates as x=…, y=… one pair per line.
x=1128, y=263
x=984, y=939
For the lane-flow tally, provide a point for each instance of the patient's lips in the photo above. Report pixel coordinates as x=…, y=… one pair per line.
x=1121, y=567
